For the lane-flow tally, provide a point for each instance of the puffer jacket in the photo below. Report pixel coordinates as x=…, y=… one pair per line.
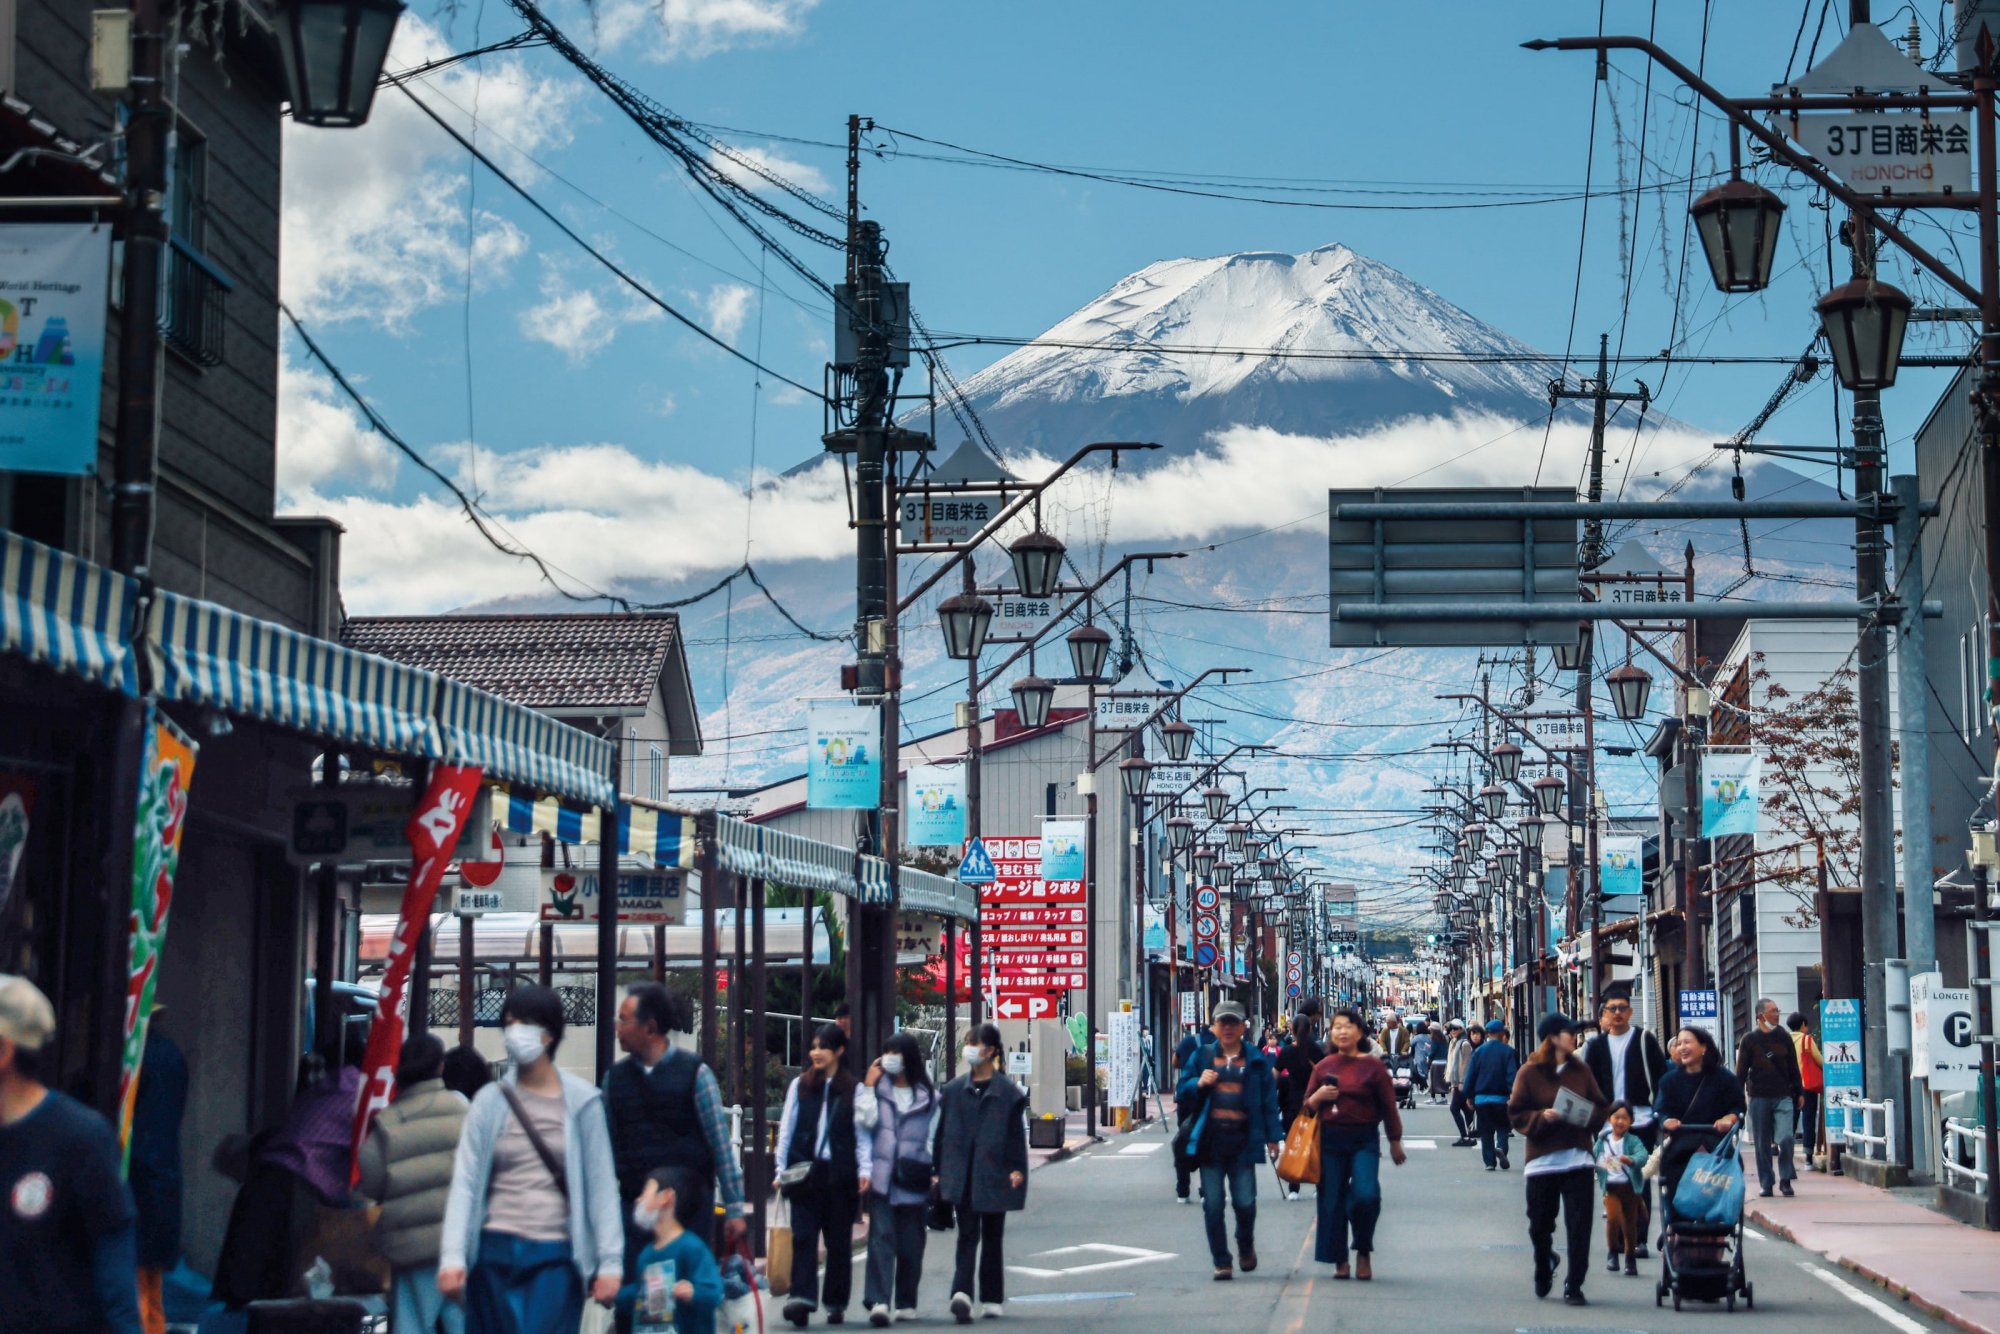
x=406, y=1167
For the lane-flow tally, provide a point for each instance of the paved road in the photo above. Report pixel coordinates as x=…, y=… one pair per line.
x=1104, y=1247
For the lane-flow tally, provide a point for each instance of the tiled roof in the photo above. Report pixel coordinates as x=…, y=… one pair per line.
x=562, y=663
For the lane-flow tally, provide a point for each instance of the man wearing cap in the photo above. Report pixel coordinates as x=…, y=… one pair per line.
x=68, y=1246
x=1628, y=1064
x=1237, y=1112
x=1489, y=1082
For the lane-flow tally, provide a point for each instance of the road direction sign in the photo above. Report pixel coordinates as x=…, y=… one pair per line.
x=1008, y=1004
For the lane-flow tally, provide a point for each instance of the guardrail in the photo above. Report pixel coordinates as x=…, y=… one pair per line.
x=1964, y=1155
x=1857, y=1129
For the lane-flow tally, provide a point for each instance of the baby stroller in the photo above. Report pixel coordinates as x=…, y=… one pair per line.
x=1405, y=1084
x=1701, y=1261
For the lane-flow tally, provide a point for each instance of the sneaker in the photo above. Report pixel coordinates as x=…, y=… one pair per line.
x=1632, y=1265
x=1182, y=1199
x=991, y=1310
x=1223, y=1273
x=798, y=1312
x=1764, y=1192
x=1641, y=1252
x=1785, y=1188
x=1611, y=1263
x=906, y=1313
x=1545, y=1274
x=961, y=1308
x=1573, y=1296
x=1246, y=1255
x=1505, y=1166
x=1491, y=1168
x=1292, y=1194
x=878, y=1316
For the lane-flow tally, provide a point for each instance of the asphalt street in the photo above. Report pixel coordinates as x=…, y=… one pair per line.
x=1103, y=1246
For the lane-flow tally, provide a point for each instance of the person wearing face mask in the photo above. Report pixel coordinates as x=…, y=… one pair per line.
x=1294, y=1067
x=533, y=1215
x=903, y=1120
x=824, y=1168
x=1557, y=1107
x=982, y=1168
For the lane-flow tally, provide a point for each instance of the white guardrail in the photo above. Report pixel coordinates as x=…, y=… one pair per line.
x=1858, y=1120
x=1964, y=1155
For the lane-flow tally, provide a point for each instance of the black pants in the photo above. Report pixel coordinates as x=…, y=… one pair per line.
x=1461, y=1114
x=895, y=1253
x=1493, y=1131
x=824, y=1213
x=1574, y=1193
x=1183, y=1176
x=979, y=1238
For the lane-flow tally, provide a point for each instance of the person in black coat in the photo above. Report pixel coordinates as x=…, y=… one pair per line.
x=982, y=1168
x=1699, y=1101
x=1294, y=1067
x=1628, y=1063
x=1183, y=1109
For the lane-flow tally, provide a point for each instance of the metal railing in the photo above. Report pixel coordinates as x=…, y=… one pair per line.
x=1857, y=1120
x=191, y=295
x=1964, y=1155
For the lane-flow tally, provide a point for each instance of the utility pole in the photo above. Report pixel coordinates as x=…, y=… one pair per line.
x=136, y=450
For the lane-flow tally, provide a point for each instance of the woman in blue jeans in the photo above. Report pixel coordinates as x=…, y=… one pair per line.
x=1351, y=1091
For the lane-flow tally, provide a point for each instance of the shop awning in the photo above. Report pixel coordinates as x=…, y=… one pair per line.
x=743, y=848
x=68, y=614
x=667, y=837
x=518, y=745
x=941, y=896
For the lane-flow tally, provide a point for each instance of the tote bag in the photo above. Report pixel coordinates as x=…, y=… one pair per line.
x=1298, y=1162
x=778, y=1251
x=1711, y=1190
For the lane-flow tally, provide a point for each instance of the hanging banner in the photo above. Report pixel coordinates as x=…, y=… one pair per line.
x=17, y=807
x=935, y=811
x=166, y=768
x=1621, y=862
x=54, y=292
x=1729, y=792
x=843, y=763
x=1062, y=849
x=433, y=831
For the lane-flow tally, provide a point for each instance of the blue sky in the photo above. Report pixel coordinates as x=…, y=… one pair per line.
x=582, y=398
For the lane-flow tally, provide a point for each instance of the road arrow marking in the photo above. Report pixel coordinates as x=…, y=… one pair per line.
x=1128, y=1256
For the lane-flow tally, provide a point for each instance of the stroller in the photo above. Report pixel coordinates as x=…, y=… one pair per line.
x=1700, y=1261
x=1402, y=1077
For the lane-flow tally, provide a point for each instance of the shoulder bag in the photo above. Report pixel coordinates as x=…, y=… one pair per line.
x=542, y=1150
x=911, y=1174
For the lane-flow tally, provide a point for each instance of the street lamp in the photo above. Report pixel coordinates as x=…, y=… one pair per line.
x=1032, y=695
x=332, y=51
x=1864, y=322
x=1507, y=761
x=1549, y=793
x=1225, y=875
x=1475, y=838
x=1493, y=800
x=1178, y=738
x=1037, y=559
x=1738, y=225
x=1204, y=861
x=1570, y=657
x=1239, y=834
x=1269, y=867
x=966, y=617
x=1180, y=833
x=1217, y=801
x=1630, y=686
x=1136, y=774
x=1088, y=647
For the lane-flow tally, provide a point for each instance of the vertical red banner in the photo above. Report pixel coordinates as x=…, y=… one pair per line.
x=433, y=831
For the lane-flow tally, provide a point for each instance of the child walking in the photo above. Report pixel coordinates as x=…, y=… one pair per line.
x=1621, y=1155
x=677, y=1286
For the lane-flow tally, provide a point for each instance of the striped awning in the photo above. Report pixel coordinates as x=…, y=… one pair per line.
x=874, y=880
x=202, y=653
x=68, y=614
x=518, y=745
x=941, y=896
x=666, y=837
x=746, y=849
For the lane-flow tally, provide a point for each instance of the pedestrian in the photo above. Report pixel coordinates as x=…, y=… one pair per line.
x=1237, y=1124
x=1768, y=1065
x=675, y=1284
x=1621, y=1162
x=1806, y=1125
x=665, y=1110
x=1489, y=1082
x=406, y=1165
x=154, y=1170
x=1699, y=1101
x=824, y=1166
x=1395, y=1039
x=1440, y=1053
x=1294, y=1069
x=465, y=1071
x=982, y=1168
x=1184, y=1165
x=902, y=1116
x=1557, y=1107
x=1355, y=1100
x=1464, y=1042
x=1628, y=1064
x=68, y=1241
x=533, y=1215
x=1420, y=1058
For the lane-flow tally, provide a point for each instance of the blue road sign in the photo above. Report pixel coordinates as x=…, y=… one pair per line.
x=977, y=868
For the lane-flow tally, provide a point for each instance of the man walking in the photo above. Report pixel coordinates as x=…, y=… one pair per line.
x=1489, y=1082
x=1237, y=1113
x=1768, y=1065
x=68, y=1241
x=1812, y=1079
x=1628, y=1064
x=1463, y=1043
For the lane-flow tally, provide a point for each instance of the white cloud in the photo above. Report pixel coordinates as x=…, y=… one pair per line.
x=577, y=321
x=374, y=220
x=728, y=307
x=802, y=174
x=667, y=406
x=691, y=29
x=322, y=439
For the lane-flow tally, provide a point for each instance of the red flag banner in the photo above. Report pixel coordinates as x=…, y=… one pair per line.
x=433, y=832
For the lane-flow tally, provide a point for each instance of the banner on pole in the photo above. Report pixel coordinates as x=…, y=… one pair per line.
x=1621, y=862
x=1063, y=849
x=1729, y=792
x=843, y=761
x=434, y=830
x=166, y=768
x=935, y=811
x=55, y=283
x=17, y=808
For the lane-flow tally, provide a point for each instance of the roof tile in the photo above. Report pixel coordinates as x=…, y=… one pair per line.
x=556, y=662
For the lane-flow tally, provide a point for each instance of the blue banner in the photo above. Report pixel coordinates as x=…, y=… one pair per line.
x=843, y=762
x=54, y=291
x=1728, y=792
x=1062, y=849
x=1621, y=865
x=934, y=814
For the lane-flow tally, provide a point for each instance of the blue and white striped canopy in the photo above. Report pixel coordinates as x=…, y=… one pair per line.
x=941, y=896
x=518, y=745
x=747, y=849
x=666, y=837
x=68, y=614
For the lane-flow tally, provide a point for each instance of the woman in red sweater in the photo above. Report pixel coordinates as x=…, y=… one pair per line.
x=1351, y=1091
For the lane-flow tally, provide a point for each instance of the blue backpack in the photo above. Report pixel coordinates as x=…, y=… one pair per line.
x=1711, y=1189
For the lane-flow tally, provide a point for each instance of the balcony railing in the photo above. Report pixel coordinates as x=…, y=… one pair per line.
x=191, y=296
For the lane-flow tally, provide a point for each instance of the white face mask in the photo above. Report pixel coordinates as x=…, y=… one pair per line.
x=892, y=1064
x=972, y=1054
x=524, y=1043
x=646, y=1219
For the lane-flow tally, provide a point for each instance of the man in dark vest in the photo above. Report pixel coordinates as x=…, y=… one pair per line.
x=666, y=1110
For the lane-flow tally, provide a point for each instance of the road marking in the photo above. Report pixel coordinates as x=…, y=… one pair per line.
x=1129, y=1256
x=1420, y=1144
x=1072, y=1297
x=1754, y=1234
x=1140, y=1148
x=1896, y=1319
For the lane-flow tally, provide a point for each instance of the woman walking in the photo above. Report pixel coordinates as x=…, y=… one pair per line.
x=982, y=1168
x=824, y=1168
x=903, y=1119
x=533, y=1212
x=1352, y=1093
x=1557, y=1107
x=1700, y=1100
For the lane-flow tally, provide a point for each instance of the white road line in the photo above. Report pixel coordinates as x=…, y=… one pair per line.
x=1140, y=1148
x=1420, y=1144
x=1754, y=1234
x=1896, y=1319
x=1129, y=1256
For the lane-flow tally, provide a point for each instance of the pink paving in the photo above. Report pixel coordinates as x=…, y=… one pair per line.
x=1941, y=1266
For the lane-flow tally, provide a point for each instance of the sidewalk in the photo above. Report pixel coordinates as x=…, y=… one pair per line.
x=1941, y=1266
x=1076, y=1134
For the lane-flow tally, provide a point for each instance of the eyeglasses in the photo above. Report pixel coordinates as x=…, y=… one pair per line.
x=1618, y=1009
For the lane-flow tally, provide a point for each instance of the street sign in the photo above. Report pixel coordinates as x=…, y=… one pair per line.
x=1884, y=153
x=1171, y=780
x=1190, y=1008
x=953, y=516
x=353, y=824
x=1206, y=898
x=1455, y=559
x=1124, y=711
x=1941, y=1035
x=1018, y=619
x=1027, y=916
x=1038, y=981
x=977, y=868
x=1204, y=954
x=918, y=933
x=1009, y=1004
x=1700, y=1007
x=645, y=898
x=1840, y=1051
x=1292, y=990
x=474, y=902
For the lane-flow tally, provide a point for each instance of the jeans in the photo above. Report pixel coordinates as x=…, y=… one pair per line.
x=895, y=1253
x=1806, y=1125
x=522, y=1287
x=979, y=1237
x=1570, y=1192
x=1241, y=1180
x=1493, y=1131
x=823, y=1213
x=1350, y=1195
x=416, y=1307
x=1769, y=1116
